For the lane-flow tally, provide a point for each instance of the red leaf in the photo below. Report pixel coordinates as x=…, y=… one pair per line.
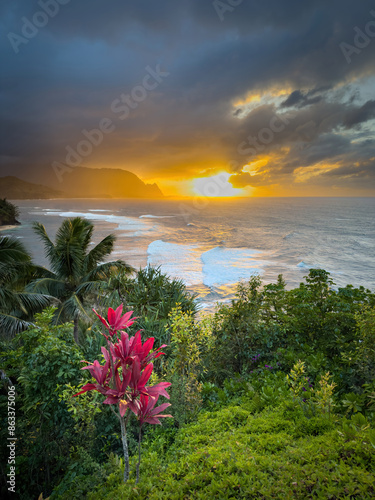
x=85, y=388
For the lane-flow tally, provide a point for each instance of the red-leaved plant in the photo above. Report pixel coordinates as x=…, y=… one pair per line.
x=124, y=375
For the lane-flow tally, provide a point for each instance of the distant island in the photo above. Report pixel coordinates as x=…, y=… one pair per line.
x=82, y=183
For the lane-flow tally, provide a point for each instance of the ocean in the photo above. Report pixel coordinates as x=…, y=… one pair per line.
x=213, y=244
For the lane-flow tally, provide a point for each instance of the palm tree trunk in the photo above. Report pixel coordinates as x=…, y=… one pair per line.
x=75, y=331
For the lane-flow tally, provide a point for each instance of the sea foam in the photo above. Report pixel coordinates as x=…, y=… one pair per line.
x=176, y=260
x=131, y=225
x=215, y=267
x=156, y=216
x=229, y=265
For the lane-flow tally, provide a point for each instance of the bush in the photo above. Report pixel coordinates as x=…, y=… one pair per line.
x=241, y=338
x=42, y=358
x=152, y=295
x=230, y=454
x=8, y=212
x=84, y=475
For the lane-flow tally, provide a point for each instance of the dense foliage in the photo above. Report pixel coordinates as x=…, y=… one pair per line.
x=17, y=306
x=273, y=396
x=77, y=273
x=235, y=453
x=152, y=295
x=8, y=213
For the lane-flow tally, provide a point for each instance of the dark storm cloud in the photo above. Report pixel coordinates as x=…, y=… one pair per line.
x=64, y=79
x=360, y=115
x=361, y=170
x=297, y=98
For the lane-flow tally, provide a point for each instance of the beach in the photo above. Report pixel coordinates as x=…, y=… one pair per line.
x=7, y=228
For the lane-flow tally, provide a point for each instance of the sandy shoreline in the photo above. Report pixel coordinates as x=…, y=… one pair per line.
x=5, y=228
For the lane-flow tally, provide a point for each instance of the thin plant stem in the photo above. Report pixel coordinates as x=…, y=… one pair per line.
x=117, y=415
x=125, y=448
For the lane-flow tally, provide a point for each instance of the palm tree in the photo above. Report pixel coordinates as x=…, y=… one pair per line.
x=76, y=273
x=17, y=306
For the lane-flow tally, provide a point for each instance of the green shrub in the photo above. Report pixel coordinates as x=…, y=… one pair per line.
x=230, y=454
x=152, y=295
x=42, y=358
x=8, y=212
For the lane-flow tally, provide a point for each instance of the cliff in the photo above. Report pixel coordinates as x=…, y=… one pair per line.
x=82, y=182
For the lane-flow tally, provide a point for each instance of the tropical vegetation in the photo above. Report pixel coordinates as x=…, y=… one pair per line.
x=272, y=395
x=17, y=305
x=77, y=273
x=123, y=378
x=9, y=213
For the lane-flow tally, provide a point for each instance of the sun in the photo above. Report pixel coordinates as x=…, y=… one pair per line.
x=216, y=186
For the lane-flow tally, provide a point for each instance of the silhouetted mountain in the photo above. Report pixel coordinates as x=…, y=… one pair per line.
x=16, y=189
x=84, y=182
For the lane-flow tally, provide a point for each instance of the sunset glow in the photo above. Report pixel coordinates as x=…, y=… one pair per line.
x=216, y=186
x=205, y=99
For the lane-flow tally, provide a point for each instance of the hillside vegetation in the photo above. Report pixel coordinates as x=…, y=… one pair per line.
x=273, y=396
x=8, y=213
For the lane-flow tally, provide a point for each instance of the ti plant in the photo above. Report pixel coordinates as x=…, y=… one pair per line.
x=123, y=378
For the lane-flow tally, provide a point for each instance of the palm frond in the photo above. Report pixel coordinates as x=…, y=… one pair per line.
x=34, y=302
x=104, y=271
x=42, y=272
x=49, y=286
x=12, y=250
x=76, y=272
x=99, y=252
x=89, y=287
x=71, y=309
x=8, y=299
x=71, y=242
x=10, y=325
x=7, y=272
x=85, y=229
x=43, y=236
x=19, y=274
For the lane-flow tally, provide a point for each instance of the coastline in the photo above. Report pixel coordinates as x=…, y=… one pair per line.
x=6, y=227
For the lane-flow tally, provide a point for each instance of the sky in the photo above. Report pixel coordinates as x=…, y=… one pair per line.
x=261, y=98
